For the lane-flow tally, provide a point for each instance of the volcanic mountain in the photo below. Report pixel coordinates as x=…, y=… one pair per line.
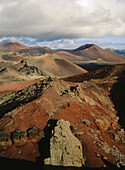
x=91, y=53
x=11, y=46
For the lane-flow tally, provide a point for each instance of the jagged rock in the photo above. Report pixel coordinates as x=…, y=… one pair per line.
x=121, y=134
x=19, y=137
x=5, y=141
x=65, y=149
x=35, y=134
x=116, y=137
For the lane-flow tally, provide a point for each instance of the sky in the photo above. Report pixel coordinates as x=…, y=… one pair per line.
x=63, y=23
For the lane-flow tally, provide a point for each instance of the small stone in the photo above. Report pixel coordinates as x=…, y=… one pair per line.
x=97, y=154
x=78, y=133
x=99, y=123
x=86, y=122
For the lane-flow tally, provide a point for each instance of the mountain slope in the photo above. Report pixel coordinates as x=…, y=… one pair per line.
x=53, y=65
x=11, y=46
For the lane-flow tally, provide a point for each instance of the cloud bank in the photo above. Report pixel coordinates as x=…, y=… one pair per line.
x=58, y=19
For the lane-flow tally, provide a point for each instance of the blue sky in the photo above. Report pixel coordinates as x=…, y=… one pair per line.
x=63, y=23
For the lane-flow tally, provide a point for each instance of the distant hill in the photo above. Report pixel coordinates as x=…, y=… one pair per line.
x=122, y=52
x=87, y=52
x=91, y=53
x=36, y=50
x=11, y=46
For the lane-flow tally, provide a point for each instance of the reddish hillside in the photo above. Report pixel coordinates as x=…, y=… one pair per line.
x=11, y=46
x=69, y=56
x=91, y=52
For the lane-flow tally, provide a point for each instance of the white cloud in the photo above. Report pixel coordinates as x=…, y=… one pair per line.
x=55, y=19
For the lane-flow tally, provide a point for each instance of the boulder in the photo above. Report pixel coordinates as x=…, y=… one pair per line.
x=5, y=141
x=65, y=148
x=19, y=137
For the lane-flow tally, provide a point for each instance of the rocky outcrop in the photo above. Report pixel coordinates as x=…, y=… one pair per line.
x=19, y=137
x=5, y=140
x=65, y=149
x=12, y=100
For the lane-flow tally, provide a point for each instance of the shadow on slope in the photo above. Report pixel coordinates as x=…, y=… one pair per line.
x=44, y=143
x=91, y=66
x=118, y=98
x=16, y=164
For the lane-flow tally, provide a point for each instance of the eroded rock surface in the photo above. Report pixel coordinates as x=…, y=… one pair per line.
x=35, y=134
x=65, y=148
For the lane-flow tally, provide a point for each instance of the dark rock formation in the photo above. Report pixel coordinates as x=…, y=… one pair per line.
x=19, y=137
x=5, y=141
